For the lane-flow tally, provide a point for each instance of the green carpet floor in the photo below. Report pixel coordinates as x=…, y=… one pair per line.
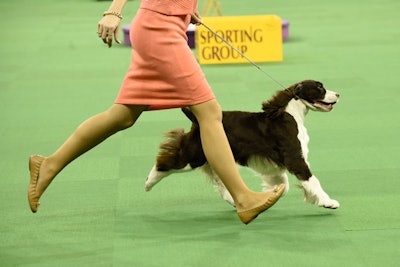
x=55, y=73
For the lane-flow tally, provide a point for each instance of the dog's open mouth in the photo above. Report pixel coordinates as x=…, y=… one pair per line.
x=323, y=105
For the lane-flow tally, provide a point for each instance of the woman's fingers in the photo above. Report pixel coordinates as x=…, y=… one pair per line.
x=109, y=38
x=107, y=29
x=116, y=36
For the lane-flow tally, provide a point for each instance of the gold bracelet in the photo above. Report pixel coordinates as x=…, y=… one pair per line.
x=112, y=13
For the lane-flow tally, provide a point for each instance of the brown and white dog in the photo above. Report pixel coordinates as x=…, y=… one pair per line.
x=271, y=143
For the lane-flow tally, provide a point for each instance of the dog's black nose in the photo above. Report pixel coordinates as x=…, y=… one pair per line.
x=337, y=95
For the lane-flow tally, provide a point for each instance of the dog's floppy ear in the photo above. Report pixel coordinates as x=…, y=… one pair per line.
x=297, y=90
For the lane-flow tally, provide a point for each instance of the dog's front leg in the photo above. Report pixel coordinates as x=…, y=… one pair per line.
x=314, y=194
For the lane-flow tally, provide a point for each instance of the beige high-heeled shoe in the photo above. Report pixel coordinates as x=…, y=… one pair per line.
x=249, y=215
x=35, y=162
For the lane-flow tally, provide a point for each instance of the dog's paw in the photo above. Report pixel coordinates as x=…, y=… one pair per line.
x=151, y=181
x=329, y=204
x=148, y=185
x=314, y=194
x=321, y=200
x=153, y=178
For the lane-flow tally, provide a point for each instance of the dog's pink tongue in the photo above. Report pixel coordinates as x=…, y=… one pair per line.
x=326, y=106
x=329, y=107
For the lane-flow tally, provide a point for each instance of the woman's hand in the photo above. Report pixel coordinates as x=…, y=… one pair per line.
x=108, y=28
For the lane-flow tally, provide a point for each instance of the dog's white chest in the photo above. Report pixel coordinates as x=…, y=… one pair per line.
x=304, y=139
x=298, y=112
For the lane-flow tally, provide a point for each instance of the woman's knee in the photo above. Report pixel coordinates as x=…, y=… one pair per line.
x=124, y=116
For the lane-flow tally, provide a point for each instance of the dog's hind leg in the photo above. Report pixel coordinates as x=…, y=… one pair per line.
x=156, y=176
x=217, y=183
x=271, y=174
x=272, y=180
x=314, y=194
x=181, y=152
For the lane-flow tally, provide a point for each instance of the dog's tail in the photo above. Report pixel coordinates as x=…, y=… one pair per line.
x=189, y=114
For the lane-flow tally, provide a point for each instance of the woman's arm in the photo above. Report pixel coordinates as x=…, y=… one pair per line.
x=108, y=27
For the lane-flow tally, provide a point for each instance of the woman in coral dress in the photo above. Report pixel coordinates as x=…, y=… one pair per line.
x=163, y=74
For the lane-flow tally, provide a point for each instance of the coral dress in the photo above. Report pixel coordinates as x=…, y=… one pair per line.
x=163, y=73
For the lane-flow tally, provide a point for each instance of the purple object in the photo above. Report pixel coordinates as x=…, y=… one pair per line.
x=126, y=29
x=285, y=30
x=190, y=34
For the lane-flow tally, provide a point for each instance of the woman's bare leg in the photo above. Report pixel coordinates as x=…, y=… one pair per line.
x=89, y=134
x=219, y=155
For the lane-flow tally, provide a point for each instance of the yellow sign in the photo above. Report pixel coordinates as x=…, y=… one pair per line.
x=258, y=37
